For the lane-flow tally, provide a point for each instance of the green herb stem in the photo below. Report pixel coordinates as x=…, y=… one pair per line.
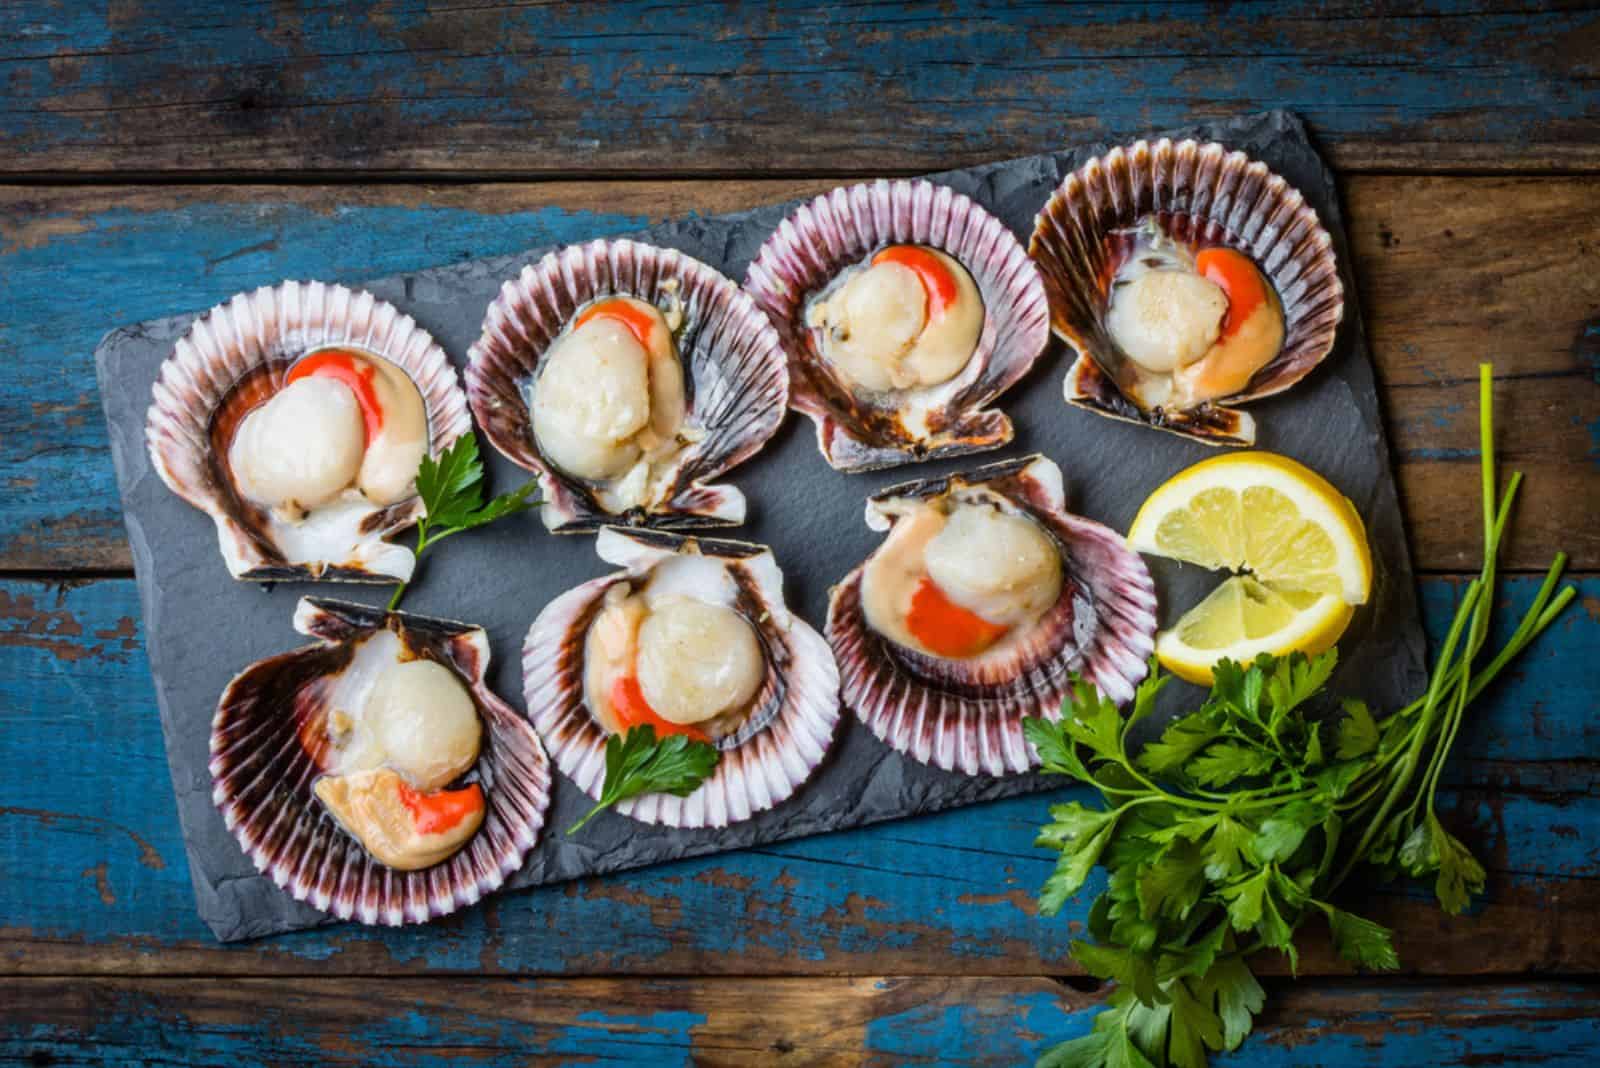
x=1215, y=869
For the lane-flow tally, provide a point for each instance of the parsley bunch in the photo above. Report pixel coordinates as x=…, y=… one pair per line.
x=636, y=763
x=451, y=489
x=1244, y=819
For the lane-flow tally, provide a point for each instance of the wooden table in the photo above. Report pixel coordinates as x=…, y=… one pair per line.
x=163, y=155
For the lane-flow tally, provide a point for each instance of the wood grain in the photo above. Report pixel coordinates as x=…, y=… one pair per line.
x=869, y=1021
x=1452, y=271
x=166, y=86
x=96, y=880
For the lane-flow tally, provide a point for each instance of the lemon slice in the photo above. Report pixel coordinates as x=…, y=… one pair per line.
x=1301, y=545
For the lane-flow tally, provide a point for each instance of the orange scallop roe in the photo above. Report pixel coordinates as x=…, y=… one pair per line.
x=1237, y=277
x=438, y=812
x=937, y=281
x=945, y=628
x=632, y=710
x=640, y=323
x=354, y=373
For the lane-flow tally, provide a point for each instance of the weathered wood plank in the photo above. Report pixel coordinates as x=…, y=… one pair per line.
x=768, y=1022
x=93, y=876
x=1452, y=271
x=536, y=88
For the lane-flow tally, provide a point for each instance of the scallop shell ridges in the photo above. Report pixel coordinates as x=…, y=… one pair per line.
x=758, y=773
x=262, y=778
x=977, y=727
x=268, y=329
x=734, y=365
x=1202, y=192
x=840, y=228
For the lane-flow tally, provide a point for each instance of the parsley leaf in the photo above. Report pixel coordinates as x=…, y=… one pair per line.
x=1226, y=762
x=1172, y=885
x=1357, y=731
x=1238, y=997
x=636, y=763
x=1081, y=835
x=1231, y=842
x=1194, y=1028
x=1295, y=679
x=451, y=489
x=1431, y=849
x=1283, y=831
x=1178, y=743
x=1092, y=720
x=1361, y=941
x=1054, y=746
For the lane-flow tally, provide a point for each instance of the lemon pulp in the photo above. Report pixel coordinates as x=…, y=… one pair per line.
x=1297, y=547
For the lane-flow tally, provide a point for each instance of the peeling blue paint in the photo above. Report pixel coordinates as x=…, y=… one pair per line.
x=945, y=1034
x=999, y=77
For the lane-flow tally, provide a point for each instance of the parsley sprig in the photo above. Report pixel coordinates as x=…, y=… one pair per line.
x=451, y=489
x=1243, y=820
x=637, y=763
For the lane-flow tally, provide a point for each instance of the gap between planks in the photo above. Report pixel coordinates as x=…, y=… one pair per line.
x=489, y=177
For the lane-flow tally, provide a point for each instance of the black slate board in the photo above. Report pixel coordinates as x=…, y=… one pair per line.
x=202, y=626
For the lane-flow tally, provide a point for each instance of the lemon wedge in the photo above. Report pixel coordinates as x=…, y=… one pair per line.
x=1298, y=549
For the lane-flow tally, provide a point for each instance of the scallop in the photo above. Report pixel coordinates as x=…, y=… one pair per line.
x=1189, y=280
x=373, y=774
x=906, y=310
x=295, y=416
x=627, y=377
x=984, y=599
x=691, y=636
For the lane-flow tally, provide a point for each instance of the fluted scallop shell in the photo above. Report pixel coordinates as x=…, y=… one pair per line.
x=734, y=366
x=262, y=775
x=959, y=718
x=860, y=431
x=235, y=357
x=1202, y=194
x=763, y=764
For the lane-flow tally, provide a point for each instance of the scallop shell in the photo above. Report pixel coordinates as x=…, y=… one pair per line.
x=736, y=375
x=953, y=716
x=765, y=763
x=263, y=775
x=861, y=431
x=235, y=357
x=1199, y=193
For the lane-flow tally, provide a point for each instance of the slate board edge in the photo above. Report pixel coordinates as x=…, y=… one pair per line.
x=292, y=916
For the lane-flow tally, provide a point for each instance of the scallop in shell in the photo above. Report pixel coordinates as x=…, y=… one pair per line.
x=295, y=417
x=973, y=612
x=1188, y=279
x=691, y=635
x=374, y=775
x=627, y=377
x=906, y=309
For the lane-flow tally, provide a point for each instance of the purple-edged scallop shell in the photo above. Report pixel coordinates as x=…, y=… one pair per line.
x=789, y=724
x=263, y=768
x=862, y=430
x=966, y=715
x=1200, y=195
x=736, y=378
x=236, y=357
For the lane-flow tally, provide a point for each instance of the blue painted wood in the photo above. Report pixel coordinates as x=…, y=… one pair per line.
x=174, y=85
x=873, y=1021
x=91, y=862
